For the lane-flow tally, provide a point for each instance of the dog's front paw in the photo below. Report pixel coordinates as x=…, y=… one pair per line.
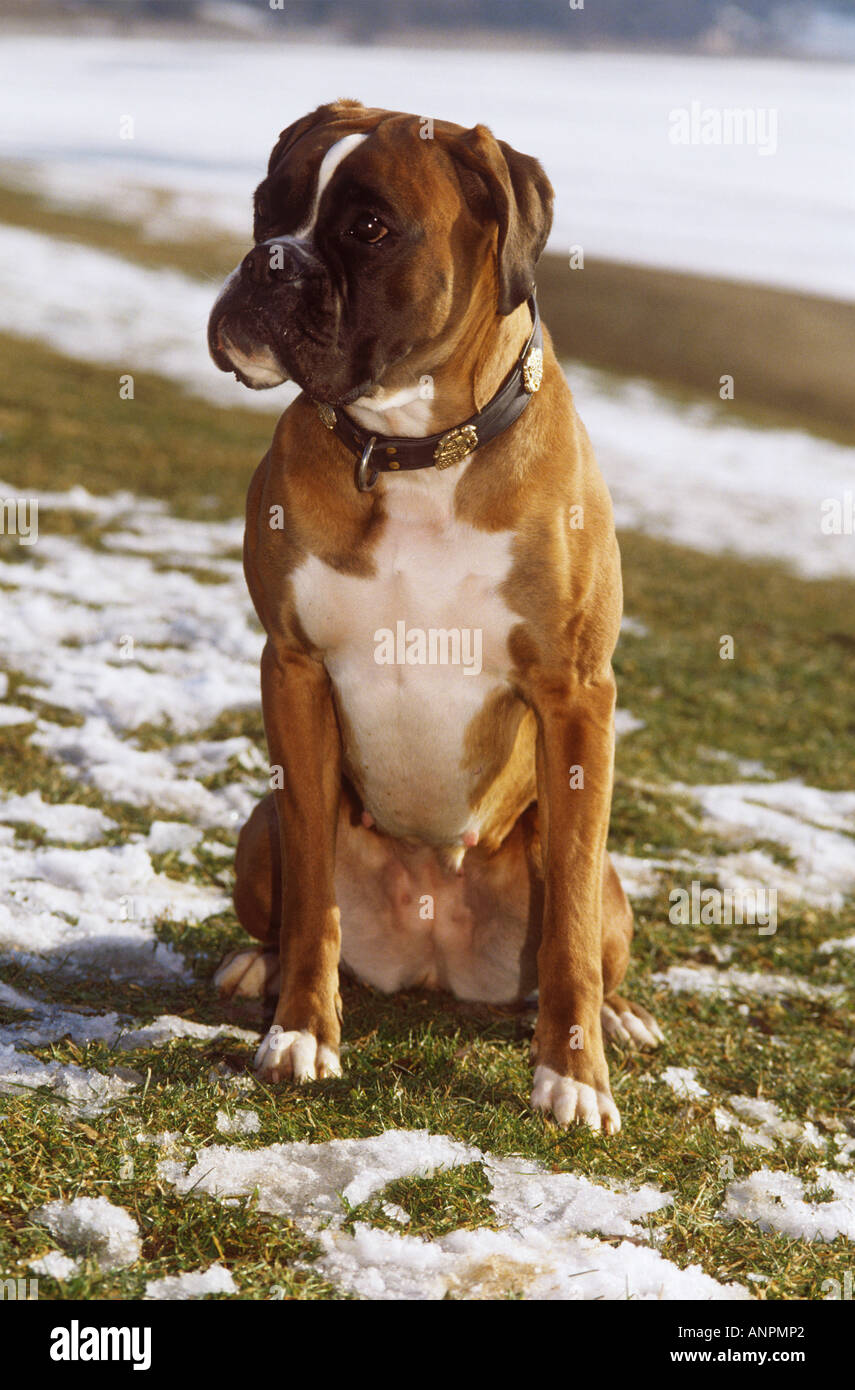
x=574, y=1102
x=296, y=1056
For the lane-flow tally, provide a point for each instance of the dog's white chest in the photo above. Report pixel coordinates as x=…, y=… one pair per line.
x=413, y=652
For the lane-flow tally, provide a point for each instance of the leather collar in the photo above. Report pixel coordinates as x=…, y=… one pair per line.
x=381, y=453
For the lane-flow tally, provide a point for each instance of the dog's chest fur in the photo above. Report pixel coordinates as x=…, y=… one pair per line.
x=404, y=723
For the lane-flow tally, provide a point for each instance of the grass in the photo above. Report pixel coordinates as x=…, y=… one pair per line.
x=417, y=1061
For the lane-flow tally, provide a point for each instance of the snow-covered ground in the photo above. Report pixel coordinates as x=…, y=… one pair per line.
x=205, y=116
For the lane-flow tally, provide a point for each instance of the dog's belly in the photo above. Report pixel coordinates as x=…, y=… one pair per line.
x=414, y=652
x=407, y=921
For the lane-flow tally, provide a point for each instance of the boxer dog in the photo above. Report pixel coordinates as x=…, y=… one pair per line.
x=430, y=548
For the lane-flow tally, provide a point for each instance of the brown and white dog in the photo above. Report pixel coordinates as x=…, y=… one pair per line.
x=436, y=823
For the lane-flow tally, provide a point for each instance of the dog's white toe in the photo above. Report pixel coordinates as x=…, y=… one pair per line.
x=296, y=1056
x=573, y=1102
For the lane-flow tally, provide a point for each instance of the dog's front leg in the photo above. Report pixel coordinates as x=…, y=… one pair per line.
x=305, y=756
x=575, y=755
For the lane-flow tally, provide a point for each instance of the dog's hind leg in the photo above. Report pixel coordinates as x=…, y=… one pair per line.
x=253, y=971
x=623, y=1022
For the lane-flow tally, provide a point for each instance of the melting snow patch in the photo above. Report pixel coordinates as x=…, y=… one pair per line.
x=760, y=1124
x=846, y=943
x=310, y=1182
x=76, y=824
x=95, y=754
x=726, y=499
x=725, y=984
x=485, y=1264
x=539, y=1254
x=55, y=1265
x=626, y=723
x=528, y=1198
x=165, y=836
x=241, y=1122
x=684, y=1083
x=641, y=878
x=170, y=1026
x=95, y=1227
x=815, y=827
x=779, y=1202
x=53, y=1023
x=80, y=904
x=87, y=1090
x=198, y=1283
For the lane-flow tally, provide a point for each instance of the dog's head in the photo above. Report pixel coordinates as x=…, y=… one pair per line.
x=371, y=230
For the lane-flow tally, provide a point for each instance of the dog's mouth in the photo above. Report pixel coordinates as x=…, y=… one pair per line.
x=242, y=343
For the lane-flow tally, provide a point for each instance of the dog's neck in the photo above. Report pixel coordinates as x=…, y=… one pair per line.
x=474, y=365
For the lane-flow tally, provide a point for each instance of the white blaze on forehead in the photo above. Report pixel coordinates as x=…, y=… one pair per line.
x=330, y=162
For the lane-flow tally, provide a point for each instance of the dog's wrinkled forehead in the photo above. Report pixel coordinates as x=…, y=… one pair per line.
x=303, y=164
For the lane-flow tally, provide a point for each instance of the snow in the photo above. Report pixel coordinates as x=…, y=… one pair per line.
x=698, y=475
x=626, y=723
x=310, y=1181
x=241, y=1122
x=484, y=1264
x=541, y=1252
x=94, y=1227
x=169, y=1026
x=845, y=943
x=726, y=984
x=599, y=123
x=760, y=1124
x=64, y=908
x=194, y=647
x=55, y=1265
x=15, y=714
x=166, y=836
x=777, y=1201
x=196, y=1284
x=70, y=822
x=88, y=1092
x=684, y=1083
x=105, y=309
x=815, y=827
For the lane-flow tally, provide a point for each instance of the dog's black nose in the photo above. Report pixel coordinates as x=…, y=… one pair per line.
x=279, y=260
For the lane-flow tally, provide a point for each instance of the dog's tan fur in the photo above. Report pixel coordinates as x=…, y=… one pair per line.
x=538, y=886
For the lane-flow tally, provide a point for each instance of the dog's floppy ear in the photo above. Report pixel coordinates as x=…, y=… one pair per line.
x=331, y=111
x=520, y=196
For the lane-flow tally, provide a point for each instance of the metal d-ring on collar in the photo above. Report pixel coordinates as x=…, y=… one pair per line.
x=366, y=477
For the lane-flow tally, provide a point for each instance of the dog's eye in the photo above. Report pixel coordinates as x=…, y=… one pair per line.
x=368, y=228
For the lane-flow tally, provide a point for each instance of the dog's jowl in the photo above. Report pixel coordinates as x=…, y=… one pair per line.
x=436, y=821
